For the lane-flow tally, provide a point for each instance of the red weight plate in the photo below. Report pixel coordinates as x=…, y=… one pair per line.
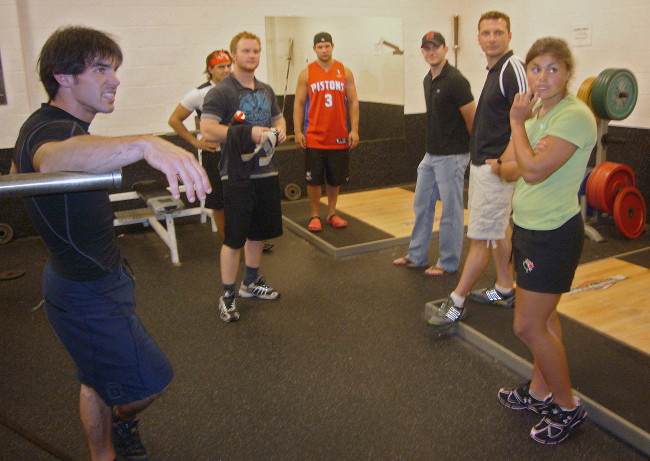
x=630, y=212
x=618, y=176
x=592, y=198
x=599, y=186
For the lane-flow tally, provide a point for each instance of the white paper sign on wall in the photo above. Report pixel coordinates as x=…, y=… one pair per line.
x=581, y=35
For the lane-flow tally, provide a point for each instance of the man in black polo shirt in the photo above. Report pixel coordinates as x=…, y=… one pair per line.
x=450, y=114
x=489, y=201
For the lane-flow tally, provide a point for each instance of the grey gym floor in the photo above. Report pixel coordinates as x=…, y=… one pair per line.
x=341, y=367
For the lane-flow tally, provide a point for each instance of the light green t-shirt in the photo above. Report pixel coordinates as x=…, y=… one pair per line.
x=547, y=204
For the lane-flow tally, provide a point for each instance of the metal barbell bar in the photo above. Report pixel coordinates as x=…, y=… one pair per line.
x=26, y=184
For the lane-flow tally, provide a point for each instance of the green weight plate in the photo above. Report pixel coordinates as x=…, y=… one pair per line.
x=598, y=94
x=615, y=93
x=622, y=94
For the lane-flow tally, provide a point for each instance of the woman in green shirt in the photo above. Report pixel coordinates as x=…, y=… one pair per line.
x=553, y=134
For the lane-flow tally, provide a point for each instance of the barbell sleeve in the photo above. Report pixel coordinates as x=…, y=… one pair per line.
x=26, y=184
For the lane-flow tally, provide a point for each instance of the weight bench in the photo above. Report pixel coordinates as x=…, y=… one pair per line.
x=160, y=205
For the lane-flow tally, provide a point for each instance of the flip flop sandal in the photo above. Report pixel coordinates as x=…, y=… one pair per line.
x=404, y=261
x=436, y=271
x=315, y=224
x=337, y=222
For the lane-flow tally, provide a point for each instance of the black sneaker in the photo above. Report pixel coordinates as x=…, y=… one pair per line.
x=520, y=399
x=126, y=441
x=557, y=424
x=267, y=246
x=258, y=289
x=228, y=307
x=446, y=314
x=492, y=296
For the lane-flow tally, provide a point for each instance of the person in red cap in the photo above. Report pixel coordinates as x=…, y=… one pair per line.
x=218, y=65
x=325, y=96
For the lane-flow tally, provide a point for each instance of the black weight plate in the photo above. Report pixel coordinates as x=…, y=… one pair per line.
x=292, y=191
x=11, y=274
x=6, y=233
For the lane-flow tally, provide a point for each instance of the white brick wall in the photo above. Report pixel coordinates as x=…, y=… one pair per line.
x=166, y=41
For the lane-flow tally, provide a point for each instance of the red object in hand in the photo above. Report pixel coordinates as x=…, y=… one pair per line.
x=239, y=117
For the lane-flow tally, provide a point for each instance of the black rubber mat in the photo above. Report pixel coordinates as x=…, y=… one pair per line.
x=356, y=233
x=640, y=258
x=341, y=367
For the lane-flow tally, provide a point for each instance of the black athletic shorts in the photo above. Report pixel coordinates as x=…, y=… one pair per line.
x=253, y=210
x=331, y=165
x=96, y=322
x=210, y=161
x=546, y=261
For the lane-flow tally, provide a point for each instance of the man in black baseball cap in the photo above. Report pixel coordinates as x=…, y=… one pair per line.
x=322, y=37
x=450, y=115
x=326, y=97
x=434, y=38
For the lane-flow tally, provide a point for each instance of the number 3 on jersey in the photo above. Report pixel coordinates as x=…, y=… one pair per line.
x=328, y=100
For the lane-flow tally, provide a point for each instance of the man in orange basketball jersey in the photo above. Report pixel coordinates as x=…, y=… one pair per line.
x=325, y=96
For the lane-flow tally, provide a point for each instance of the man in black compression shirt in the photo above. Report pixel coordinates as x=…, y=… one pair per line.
x=88, y=288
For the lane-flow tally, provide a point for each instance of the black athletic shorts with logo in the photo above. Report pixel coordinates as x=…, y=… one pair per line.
x=96, y=322
x=332, y=165
x=546, y=261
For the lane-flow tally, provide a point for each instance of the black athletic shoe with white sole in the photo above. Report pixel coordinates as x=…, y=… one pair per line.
x=228, y=307
x=267, y=246
x=520, y=399
x=446, y=315
x=493, y=296
x=258, y=289
x=556, y=425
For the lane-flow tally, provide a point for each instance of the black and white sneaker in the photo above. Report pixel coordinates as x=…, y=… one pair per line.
x=267, y=246
x=228, y=307
x=493, y=296
x=557, y=424
x=446, y=314
x=520, y=399
x=258, y=289
x=127, y=442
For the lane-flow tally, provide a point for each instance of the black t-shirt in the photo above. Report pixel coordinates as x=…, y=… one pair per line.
x=446, y=129
x=77, y=227
x=491, y=129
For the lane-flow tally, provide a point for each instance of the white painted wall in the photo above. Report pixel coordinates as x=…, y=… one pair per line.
x=165, y=43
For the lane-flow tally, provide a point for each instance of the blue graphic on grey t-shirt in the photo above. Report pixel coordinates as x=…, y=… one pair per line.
x=257, y=108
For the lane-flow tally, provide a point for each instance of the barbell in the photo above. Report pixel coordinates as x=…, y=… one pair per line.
x=26, y=184
x=611, y=95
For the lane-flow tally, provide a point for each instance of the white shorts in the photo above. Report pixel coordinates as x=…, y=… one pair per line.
x=489, y=204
